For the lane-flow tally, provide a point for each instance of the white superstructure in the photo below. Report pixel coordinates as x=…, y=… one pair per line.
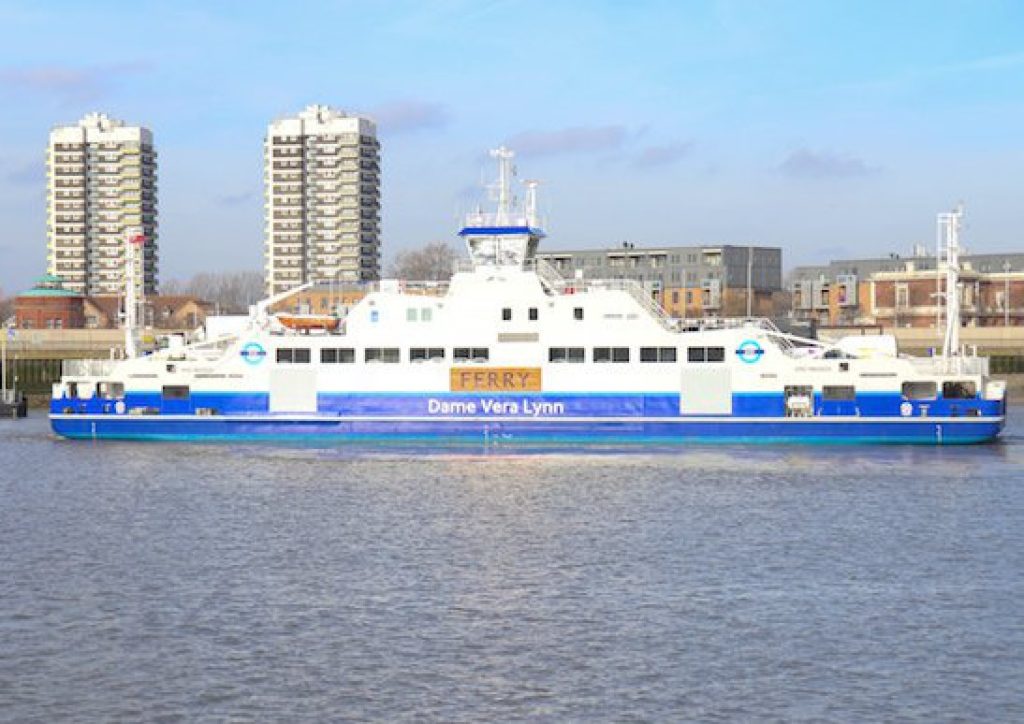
x=101, y=181
x=322, y=199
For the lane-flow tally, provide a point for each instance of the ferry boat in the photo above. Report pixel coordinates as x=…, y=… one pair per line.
x=512, y=351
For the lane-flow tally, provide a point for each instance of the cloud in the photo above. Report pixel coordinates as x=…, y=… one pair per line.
x=805, y=163
x=653, y=156
x=236, y=199
x=578, y=139
x=408, y=115
x=68, y=84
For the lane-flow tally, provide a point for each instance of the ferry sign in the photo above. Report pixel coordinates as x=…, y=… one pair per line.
x=495, y=379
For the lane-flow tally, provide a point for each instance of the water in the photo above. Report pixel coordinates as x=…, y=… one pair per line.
x=172, y=582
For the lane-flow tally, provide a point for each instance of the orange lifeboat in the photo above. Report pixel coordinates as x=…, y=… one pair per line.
x=309, y=322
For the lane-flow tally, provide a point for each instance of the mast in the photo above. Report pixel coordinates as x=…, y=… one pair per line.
x=135, y=292
x=504, y=210
x=949, y=225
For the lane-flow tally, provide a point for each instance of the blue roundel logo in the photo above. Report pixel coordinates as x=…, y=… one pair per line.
x=749, y=351
x=253, y=353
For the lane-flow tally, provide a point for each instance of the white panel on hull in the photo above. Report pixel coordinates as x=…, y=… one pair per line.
x=292, y=389
x=706, y=390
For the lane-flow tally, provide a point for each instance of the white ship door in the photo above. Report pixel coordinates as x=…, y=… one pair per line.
x=292, y=389
x=706, y=390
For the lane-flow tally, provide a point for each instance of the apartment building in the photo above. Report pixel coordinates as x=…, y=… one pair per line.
x=322, y=199
x=688, y=281
x=101, y=183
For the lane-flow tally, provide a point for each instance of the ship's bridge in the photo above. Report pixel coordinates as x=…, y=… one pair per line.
x=494, y=242
x=509, y=236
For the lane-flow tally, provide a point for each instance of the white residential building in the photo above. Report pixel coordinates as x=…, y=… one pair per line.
x=322, y=186
x=101, y=182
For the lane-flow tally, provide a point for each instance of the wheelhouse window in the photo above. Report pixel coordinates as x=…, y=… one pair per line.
x=839, y=392
x=337, y=355
x=959, y=390
x=421, y=354
x=919, y=390
x=566, y=354
x=381, y=354
x=611, y=354
x=657, y=354
x=470, y=354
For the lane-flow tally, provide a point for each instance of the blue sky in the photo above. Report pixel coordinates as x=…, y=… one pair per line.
x=827, y=128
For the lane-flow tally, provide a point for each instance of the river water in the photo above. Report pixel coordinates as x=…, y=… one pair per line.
x=166, y=582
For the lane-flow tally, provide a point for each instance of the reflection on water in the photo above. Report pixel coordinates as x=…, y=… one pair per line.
x=144, y=581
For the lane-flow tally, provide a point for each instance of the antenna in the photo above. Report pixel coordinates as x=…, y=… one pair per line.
x=949, y=229
x=531, y=201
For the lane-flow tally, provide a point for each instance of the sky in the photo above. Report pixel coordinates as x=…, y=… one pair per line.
x=831, y=129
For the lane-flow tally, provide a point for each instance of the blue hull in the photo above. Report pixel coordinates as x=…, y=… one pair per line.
x=337, y=429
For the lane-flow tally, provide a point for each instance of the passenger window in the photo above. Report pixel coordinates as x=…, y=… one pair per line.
x=716, y=354
x=696, y=354
x=577, y=313
x=175, y=392
x=959, y=390
x=838, y=392
x=467, y=354
x=506, y=314
x=919, y=390
x=285, y=355
x=533, y=314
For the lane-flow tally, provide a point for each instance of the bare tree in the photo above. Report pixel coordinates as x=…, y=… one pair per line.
x=6, y=307
x=435, y=262
x=232, y=292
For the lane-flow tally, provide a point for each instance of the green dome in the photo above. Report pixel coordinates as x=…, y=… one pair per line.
x=49, y=285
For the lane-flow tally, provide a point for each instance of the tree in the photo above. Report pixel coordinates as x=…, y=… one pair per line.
x=6, y=307
x=435, y=262
x=232, y=292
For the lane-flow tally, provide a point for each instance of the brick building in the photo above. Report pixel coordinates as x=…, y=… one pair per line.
x=910, y=292
x=48, y=305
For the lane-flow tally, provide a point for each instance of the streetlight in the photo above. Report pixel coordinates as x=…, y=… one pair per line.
x=1006, y=293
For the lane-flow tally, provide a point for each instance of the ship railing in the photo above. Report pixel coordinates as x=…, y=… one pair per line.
x=492, y=218
x=547, y=274
x=702, y=324
x=88, y=367
x=639, y=294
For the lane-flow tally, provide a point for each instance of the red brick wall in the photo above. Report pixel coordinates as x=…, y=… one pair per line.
x=49, y=312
